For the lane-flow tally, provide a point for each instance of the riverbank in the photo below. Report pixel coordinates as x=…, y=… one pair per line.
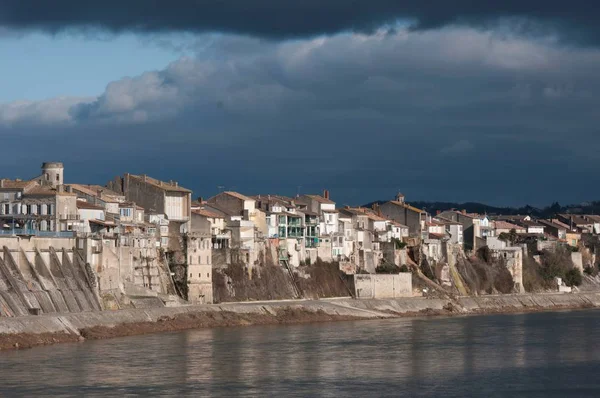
x=30, y=331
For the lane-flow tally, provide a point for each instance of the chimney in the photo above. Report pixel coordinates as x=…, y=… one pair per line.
x=326, y=194
x=438, y=212
x=346, y=207
x=145, y=177
x=463, y=211
x=175, y=183
x=1, y=182
x=200, y=200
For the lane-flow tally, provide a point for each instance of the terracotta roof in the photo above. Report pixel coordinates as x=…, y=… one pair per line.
x=237, y=195
x=506, y=225
x=207, y=213
x=445, y=221
x=96, y=190
x=14, y=184
x=397, y=224
x=165, y=186
x=320, y=199
x=531, y=224
x=43, y=191
x=85, y=205
x=554, y=224
x=407, y=206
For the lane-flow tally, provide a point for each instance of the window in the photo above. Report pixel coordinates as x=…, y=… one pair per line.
x=47, y=177
x=199, y=276
x=50, y=210
x=57, y=178
x=207, y=275
x=126, y=212
x=28, y=209
x=7, y=209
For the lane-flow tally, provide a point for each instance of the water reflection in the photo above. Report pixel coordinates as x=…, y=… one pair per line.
x=529, y=355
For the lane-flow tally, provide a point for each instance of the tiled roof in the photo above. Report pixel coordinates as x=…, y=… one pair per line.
x=165, y=186
x=407, y=206
x=15, y=184
x=85, y=205
x=237, y=195
x=320, y=199
x=506, y=225
x=207, y=213
x=445, y=221
x=554, y=224
x=46, y=191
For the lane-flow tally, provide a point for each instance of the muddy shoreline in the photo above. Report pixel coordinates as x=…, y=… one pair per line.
x=27, y=332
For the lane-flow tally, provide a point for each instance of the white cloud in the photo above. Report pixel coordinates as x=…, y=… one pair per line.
x=400, y=76
x=51, y=111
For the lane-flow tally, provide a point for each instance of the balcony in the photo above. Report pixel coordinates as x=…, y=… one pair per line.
x=69, y=217
x=35, y=232
x=311, y=220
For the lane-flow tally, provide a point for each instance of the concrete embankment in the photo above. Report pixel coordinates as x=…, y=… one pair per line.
x=27, y=331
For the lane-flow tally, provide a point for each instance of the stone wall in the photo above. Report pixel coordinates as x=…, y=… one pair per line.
x=383, y=286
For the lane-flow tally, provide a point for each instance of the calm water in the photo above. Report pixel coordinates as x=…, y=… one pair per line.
x=533, y=355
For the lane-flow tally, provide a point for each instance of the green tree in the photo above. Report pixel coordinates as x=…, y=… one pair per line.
x=573, y=277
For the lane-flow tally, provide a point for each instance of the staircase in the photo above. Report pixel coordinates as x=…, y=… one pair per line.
x=285, y=263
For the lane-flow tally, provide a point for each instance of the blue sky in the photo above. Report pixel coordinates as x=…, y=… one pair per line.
x=40, y=66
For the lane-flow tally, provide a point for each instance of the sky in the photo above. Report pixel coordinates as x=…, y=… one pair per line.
x=443, y=101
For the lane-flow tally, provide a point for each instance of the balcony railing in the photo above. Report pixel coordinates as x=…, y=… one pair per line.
x=35, y=232
x=68, y=217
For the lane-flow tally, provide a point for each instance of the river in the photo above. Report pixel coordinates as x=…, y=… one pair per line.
x=528, y=355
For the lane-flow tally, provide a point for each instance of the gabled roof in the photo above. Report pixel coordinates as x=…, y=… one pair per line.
x=15, y=184
x=320, y=199
x=554, y=224
x=207, y=213
x=506, y=225
x=445, y=221
x=85, y=205
x=407, y=206
x=237, y=195
x=165, y=186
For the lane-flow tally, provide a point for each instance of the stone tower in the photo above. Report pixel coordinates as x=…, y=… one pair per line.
x=52, y=173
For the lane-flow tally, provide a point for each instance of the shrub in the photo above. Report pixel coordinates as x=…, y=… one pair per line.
x=592, y=271
x=387, y=268
x=573, y=277
x=404, y=268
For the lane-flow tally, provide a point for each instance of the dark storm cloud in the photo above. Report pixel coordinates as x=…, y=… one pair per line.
x=458, y=114
x=280, y=18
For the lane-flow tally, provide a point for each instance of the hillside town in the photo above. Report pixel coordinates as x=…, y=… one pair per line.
x=140, y=237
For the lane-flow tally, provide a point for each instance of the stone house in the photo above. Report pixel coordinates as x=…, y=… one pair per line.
x=157, y=196
x=415, y=219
